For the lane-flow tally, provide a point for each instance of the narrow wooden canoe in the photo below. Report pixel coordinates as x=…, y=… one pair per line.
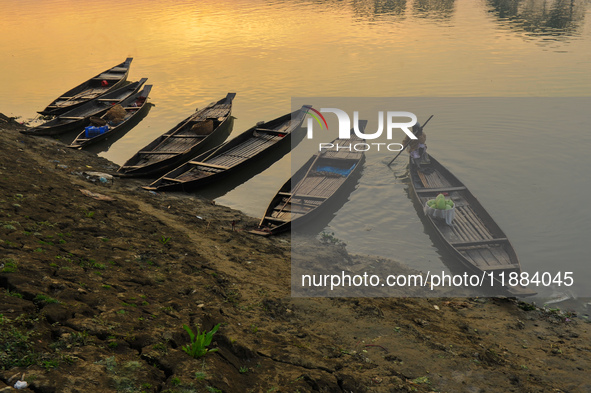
x=312, y=188
x=95, y=87
x=245, y=149
x=80, y=116
x=132, y=105
x=184, y=141
x=474, y=238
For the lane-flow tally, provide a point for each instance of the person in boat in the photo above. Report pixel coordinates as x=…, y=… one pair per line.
x=417, y=148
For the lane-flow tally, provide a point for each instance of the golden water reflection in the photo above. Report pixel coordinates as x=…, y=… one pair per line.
x=555, y=18
x=194, y=52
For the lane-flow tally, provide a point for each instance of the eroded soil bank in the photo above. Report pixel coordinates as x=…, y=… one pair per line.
x=94, y=295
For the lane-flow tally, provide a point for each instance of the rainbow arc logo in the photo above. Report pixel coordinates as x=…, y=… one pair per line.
x=315, y=114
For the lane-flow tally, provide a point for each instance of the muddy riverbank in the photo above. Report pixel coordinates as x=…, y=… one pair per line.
x=95, y=292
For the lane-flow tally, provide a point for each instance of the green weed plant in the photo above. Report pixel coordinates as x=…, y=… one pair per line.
x=199, y=341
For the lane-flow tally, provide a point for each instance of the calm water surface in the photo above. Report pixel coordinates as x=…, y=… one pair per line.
x=194, y=52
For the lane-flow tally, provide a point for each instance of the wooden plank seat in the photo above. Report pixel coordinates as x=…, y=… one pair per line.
x=276, y=132
x=301, y=196
x=185, y=136
x=171, y=179
x=439, y=189
x=499, y=267
x=208, y=165
x=480, y=242
x=108, y=76
x=293, y=211
x=159, y=152
x=286, y=204
x=276, y=219
x=296, y=198
x=72, y=117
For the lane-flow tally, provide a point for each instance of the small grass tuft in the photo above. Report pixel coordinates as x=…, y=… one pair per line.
x=329, y=238
x=199, y=375
x=10, y=266
x=199, y=341
x=45, y=299
x=49, y=364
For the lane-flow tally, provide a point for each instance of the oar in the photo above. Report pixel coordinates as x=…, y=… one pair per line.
x=404, y=147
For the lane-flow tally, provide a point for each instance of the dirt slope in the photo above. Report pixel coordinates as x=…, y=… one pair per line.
x=94, y=295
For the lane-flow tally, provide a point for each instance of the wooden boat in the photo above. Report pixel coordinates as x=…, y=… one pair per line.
x=240, y=152
x=95, y=87
x=132, y=106
x=474, y=238
x=184, y=141
x=312, y=188
x=80, y=116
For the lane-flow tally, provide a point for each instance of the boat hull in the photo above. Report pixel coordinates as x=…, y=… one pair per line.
x=89, y=90
x=132, y=113
x=148, y=163
x=313, y=190
x=473, y=239
x=80, y=117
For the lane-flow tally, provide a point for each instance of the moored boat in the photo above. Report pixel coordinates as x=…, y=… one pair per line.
x=204, y=129
x=80, y=116
x=313, y=187
x=94, y=87
x=245, y=149
x=473, y=237
x=109, y=124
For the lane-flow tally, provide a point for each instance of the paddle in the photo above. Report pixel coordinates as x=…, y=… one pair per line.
x=404, y=147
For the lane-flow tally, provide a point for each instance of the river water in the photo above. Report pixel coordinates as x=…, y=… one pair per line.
x=194, y=52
